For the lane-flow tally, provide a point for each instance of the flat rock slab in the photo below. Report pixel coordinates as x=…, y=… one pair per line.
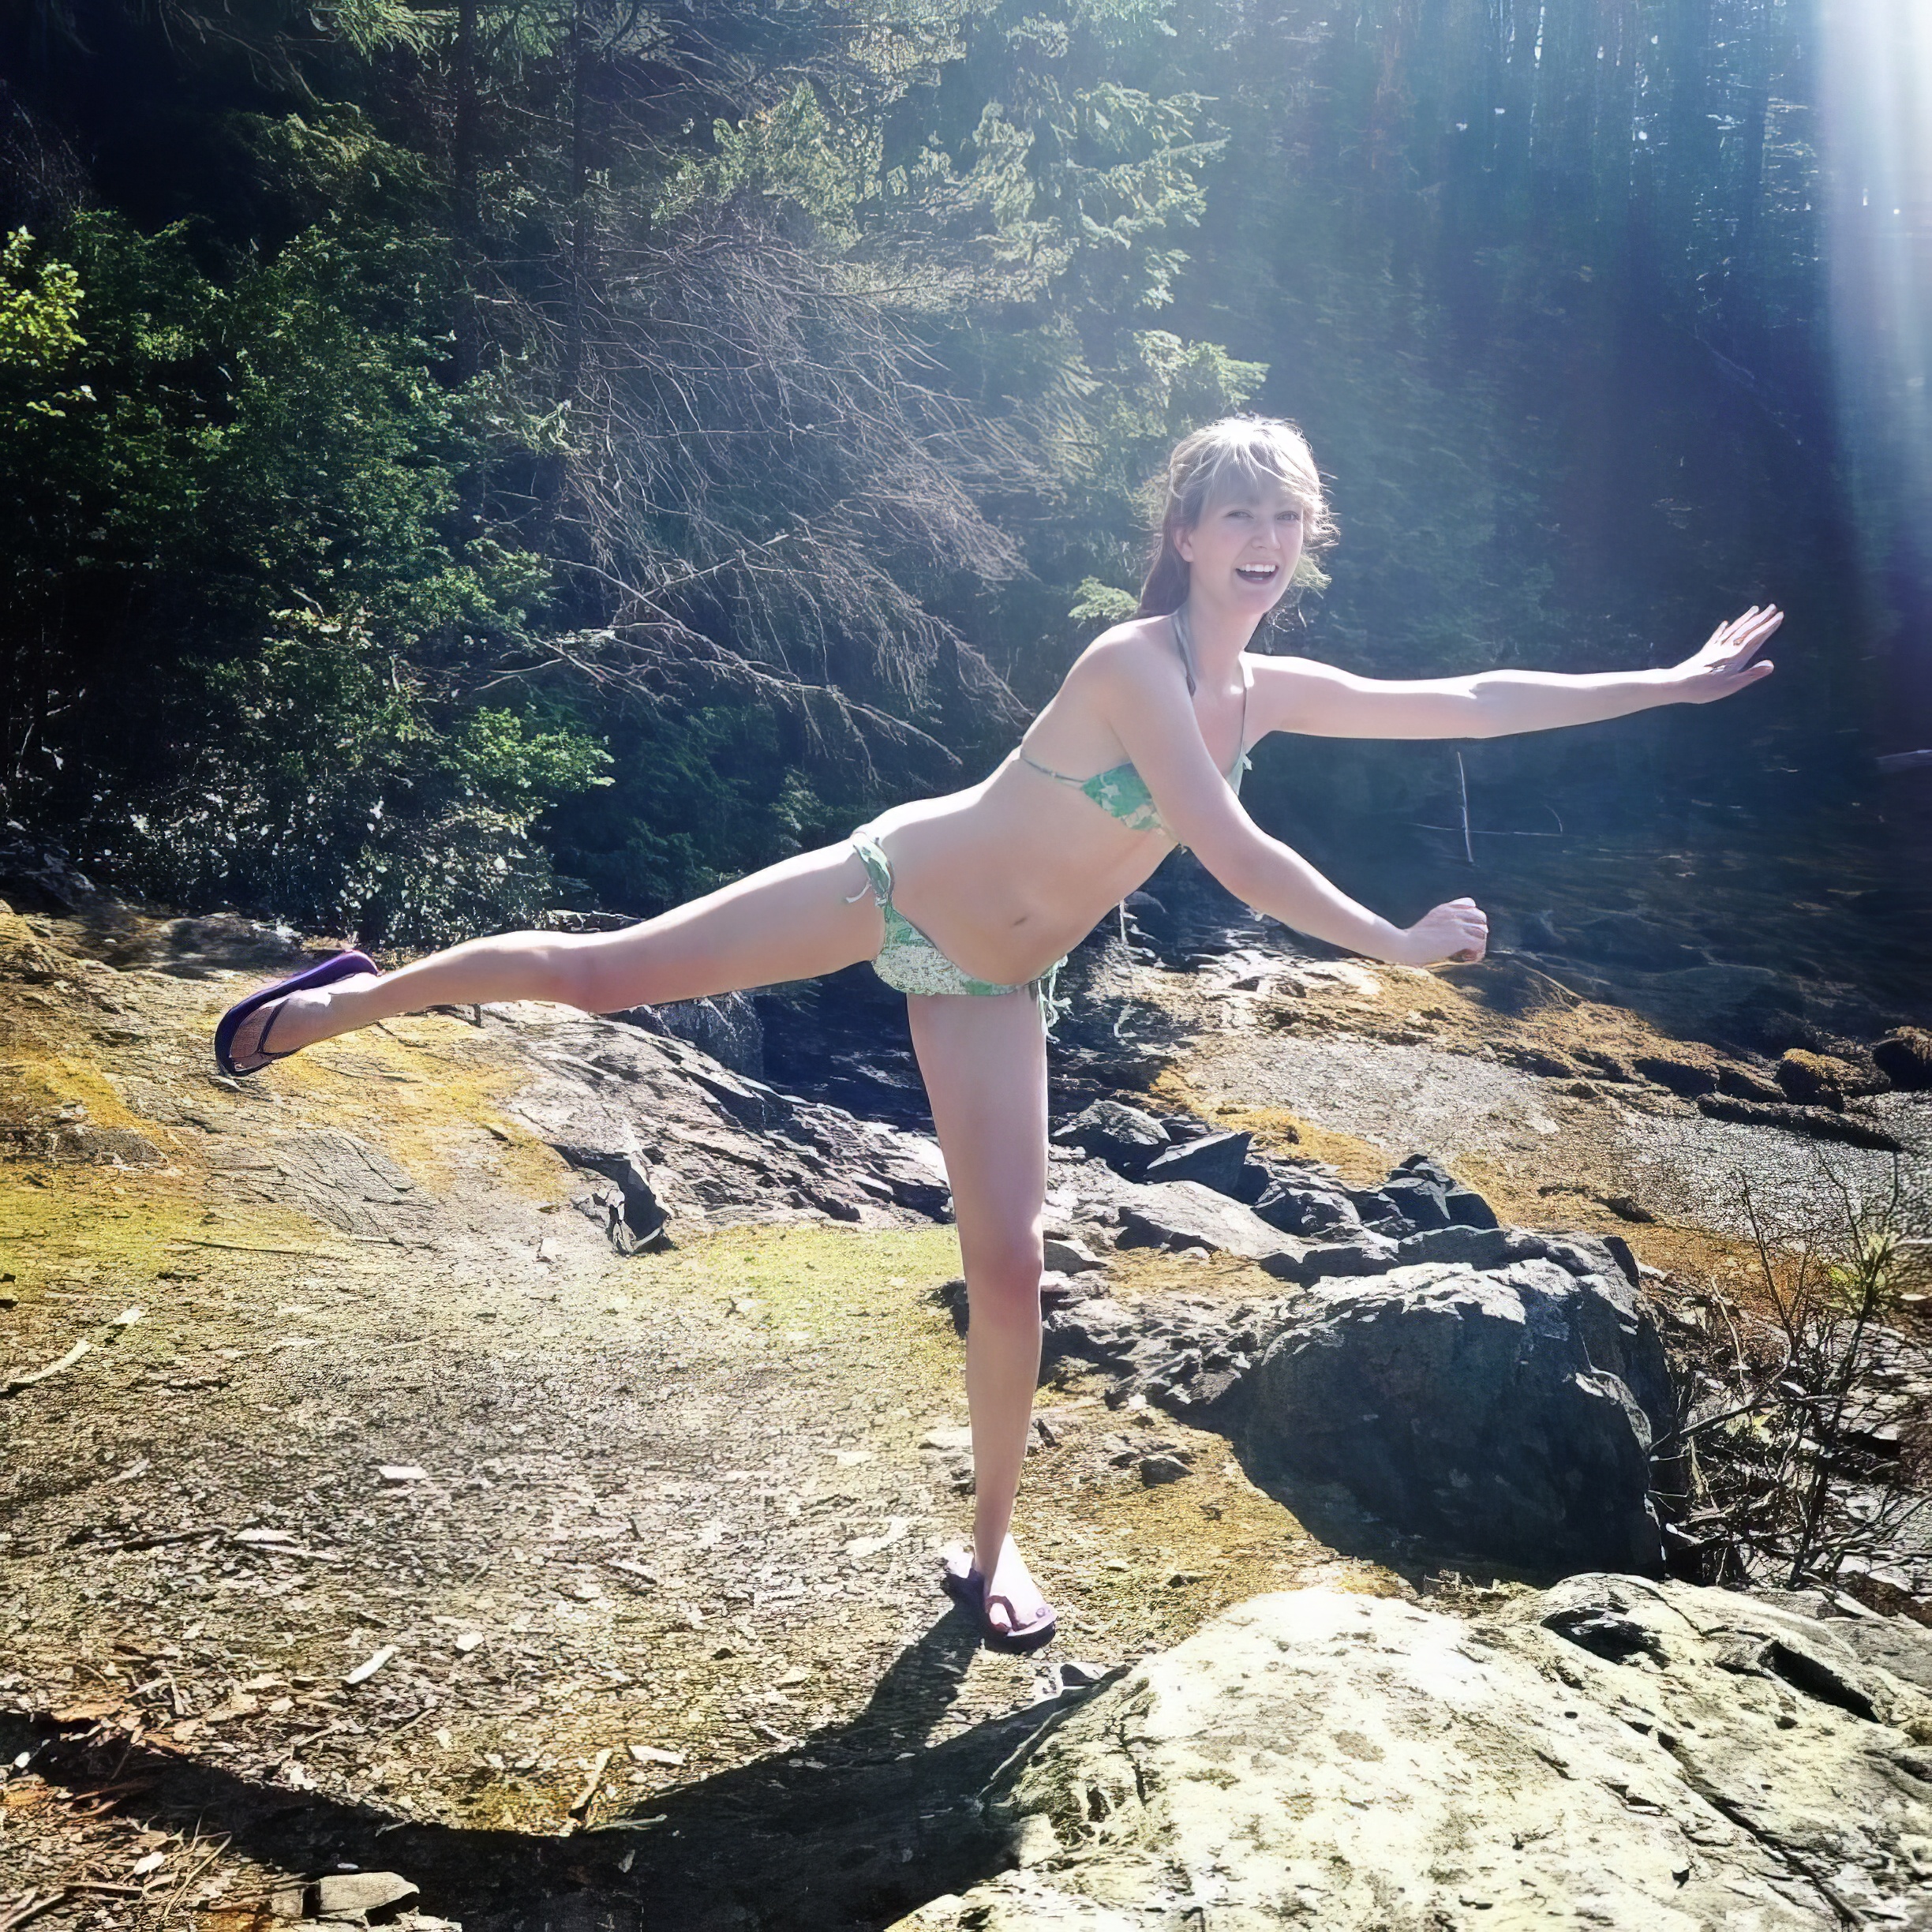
x=1174, y=1215
x=1612, y=1752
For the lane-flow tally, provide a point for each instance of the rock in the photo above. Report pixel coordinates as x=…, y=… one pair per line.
x=1904, y=1057
x=1820, y=1123
x=1215, y=1160
x=1494, y=1389
x=1165, y=1468
x=38, y=876
x=1419, y=1199
x=1462, y=1206
x=1123, y=1137
x=1741, y=1084
x=1817, y=1080
x=635, y=1217
x=1680, y=1074
x=1075, y=1676
x=1174, y=1215
x=1510, y=1412
x=679, y=1141
x=1591, y=1753
x=1067, y=1257
x=1366, y=1253
x=1319, y=1211
x=726, y=1027
x=1534, y=1060
x=354, y=1896
x=1623, y=939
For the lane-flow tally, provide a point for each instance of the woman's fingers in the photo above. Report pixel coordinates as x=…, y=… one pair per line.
x=1459, y=929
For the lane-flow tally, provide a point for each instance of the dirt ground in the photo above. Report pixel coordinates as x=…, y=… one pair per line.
x=578, y=1589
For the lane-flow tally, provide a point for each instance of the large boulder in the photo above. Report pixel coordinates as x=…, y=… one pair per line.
x=1493, y=1410
x=1904, y=1057
x=1494, y=1390
x=1612, y=1752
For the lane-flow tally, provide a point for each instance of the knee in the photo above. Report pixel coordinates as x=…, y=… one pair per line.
x=1003, y=1279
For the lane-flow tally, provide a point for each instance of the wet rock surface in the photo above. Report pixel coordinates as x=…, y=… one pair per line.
x=1628, y=1752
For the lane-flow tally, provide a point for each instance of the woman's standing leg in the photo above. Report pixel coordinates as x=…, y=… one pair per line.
x=984, y=1062
x=804, y=916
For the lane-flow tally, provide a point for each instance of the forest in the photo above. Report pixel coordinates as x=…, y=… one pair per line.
x=468, y=462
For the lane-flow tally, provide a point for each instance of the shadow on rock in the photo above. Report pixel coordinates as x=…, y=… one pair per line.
x=851, y=1828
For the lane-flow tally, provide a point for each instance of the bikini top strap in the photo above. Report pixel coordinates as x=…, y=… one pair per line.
x=1181, y=645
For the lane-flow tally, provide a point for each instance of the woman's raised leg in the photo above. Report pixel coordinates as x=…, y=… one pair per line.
x=984, y=1062
x=794, y=920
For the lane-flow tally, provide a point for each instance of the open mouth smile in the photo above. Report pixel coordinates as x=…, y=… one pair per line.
x=1257, y=573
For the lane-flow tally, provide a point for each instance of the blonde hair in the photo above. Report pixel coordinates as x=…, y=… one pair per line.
x=1238, y=452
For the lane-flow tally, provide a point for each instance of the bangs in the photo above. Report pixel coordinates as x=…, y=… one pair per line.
x=1245, y=459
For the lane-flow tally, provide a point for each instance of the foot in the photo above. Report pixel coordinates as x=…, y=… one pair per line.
x=295, y=1021
x=1014, y=1606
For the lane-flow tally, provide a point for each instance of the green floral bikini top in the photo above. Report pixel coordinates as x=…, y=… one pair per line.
x=1120, y=790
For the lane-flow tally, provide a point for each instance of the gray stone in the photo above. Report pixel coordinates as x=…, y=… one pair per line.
x=1315, y=1212
x=634, y=1218
x=1461, y=1206
x=1366, y=1764
x=1820, y=1123
x=1496, y=1412
x=352, y=1895
x=1367, y=1253
x=1123, y=1137
x=1216, y=1161
x=1904, y=1057
x=1069, y=1257
x=1174, y=1215
x=1499, y=1393
x=669, y=1131
x=1680, y=1076
x=1165, y=1468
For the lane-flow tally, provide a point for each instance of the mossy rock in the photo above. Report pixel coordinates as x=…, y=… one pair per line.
x=1817, y=1080
x=1904, y=1057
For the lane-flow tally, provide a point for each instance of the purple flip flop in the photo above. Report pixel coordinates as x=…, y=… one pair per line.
x=967, y=1588
x=343, y=966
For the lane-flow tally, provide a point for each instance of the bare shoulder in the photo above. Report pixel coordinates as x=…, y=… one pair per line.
x=1128, y=656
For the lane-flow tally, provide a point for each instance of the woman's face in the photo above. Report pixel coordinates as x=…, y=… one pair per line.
x=1244, y=550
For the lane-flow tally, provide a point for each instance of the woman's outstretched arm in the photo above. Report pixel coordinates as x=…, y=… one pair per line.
x=1298, y=694
x=1139, y=692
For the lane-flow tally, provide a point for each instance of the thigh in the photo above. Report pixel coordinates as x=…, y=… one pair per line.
x=984, y=1062
x=794, y=920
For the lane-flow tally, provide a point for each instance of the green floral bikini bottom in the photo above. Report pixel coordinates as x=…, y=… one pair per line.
x=909, y=962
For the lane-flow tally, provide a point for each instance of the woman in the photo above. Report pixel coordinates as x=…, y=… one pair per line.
x=968, y=902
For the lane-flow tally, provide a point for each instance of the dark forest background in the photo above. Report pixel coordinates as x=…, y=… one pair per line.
x=462, y=462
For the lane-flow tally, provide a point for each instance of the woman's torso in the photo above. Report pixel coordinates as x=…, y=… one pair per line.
x=1010, y=874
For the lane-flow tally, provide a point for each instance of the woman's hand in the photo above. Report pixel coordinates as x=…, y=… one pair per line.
x=1725, y=665
x=1458, y=931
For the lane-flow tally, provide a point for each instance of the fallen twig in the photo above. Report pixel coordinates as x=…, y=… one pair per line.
x=30, y=1906
x=307, y=1254
x=584, y=1797
x=154, y=1538
x=14, y=1384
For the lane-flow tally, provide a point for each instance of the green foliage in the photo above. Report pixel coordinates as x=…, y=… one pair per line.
x=322, y=783
x=673, y=367
x=38, y=308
